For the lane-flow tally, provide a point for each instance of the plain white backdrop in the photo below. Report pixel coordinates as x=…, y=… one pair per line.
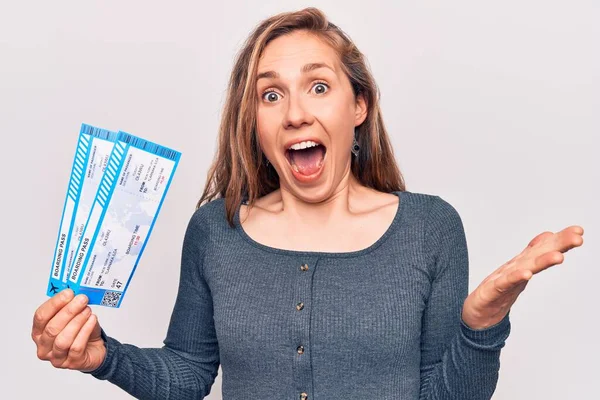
x=493, y=106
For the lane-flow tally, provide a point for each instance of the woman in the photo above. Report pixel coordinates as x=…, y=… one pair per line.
x=308, y=271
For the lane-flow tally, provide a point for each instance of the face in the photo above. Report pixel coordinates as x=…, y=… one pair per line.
x=304, y=96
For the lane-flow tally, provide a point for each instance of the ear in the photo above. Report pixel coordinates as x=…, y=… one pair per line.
x=361, y=110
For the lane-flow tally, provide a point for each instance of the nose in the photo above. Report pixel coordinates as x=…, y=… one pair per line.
x=296, y=113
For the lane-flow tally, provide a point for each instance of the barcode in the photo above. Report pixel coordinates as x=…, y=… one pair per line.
x=111, y=299
x=148, y=146
x=98, y=132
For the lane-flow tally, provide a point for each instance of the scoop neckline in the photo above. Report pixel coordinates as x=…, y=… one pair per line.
x=395, y=222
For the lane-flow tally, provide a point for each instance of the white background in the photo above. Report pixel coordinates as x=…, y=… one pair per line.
x=492, y=106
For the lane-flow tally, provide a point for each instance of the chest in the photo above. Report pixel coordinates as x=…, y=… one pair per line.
x=304, y=238
x=353, y=234
x=328, y=310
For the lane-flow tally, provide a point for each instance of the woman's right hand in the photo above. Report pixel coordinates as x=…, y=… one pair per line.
x=67, y=334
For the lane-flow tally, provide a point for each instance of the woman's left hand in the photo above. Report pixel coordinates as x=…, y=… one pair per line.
x=490, y=302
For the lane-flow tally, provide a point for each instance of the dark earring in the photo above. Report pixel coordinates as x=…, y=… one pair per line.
x=355, y=146
x=267, y=163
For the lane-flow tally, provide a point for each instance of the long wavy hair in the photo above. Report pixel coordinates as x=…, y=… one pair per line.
x=239, y=171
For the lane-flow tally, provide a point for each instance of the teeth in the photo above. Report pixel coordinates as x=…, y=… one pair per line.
x=303, y=145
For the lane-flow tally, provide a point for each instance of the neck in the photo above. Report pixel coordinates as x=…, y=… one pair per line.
x=314, y=206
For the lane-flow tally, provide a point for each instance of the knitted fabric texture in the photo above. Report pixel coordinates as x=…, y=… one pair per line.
x=381, y=323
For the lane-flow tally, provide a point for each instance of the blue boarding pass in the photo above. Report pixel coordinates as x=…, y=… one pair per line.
x=91, y=157
x=127, y=203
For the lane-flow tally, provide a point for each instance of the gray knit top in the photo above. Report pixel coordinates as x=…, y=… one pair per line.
x=381, y=323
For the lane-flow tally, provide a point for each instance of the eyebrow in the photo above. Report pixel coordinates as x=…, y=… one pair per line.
x=305, y=69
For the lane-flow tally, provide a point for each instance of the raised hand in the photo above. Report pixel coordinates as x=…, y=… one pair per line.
x=67, y=333
x=490, y=302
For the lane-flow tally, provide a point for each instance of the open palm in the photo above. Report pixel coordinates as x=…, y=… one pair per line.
x=490, y=302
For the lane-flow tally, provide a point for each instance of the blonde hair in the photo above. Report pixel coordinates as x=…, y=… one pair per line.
x=238, y=171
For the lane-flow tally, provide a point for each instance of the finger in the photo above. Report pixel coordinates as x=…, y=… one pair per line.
x=567, y=240
x=77, y=350
x=564, y=240
x=547, y=260
x=512, y=264
x=498, y=288
x=505, y=268
x=539, y=238
x=48, y=310
x=575, y=229
x=64, y=340
x=60, y=320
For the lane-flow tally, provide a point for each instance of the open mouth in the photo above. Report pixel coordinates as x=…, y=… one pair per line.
x=306, y=161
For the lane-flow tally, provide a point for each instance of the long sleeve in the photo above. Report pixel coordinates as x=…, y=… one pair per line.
x=186, y=366
x=457, y=362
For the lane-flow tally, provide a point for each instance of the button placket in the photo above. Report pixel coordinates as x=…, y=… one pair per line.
x=302, y=294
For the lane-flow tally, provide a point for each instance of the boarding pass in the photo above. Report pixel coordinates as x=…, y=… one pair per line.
x=118, y=221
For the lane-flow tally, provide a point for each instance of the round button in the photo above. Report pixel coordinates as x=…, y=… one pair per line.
x=300, y=349
x=303, y=396
x=304, y=267
x=299, y=306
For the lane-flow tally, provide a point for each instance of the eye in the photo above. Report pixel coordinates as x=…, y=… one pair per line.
x=271, y=93
x=322, y=84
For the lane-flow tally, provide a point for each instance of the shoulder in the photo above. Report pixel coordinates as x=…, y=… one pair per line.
x=442, y=234
x=207, y=217
x=203, y=227
x=430, y=203
x=428, y=209
x=440, y=212
x=209, y=210
x=436, y=216
x=443, y=216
